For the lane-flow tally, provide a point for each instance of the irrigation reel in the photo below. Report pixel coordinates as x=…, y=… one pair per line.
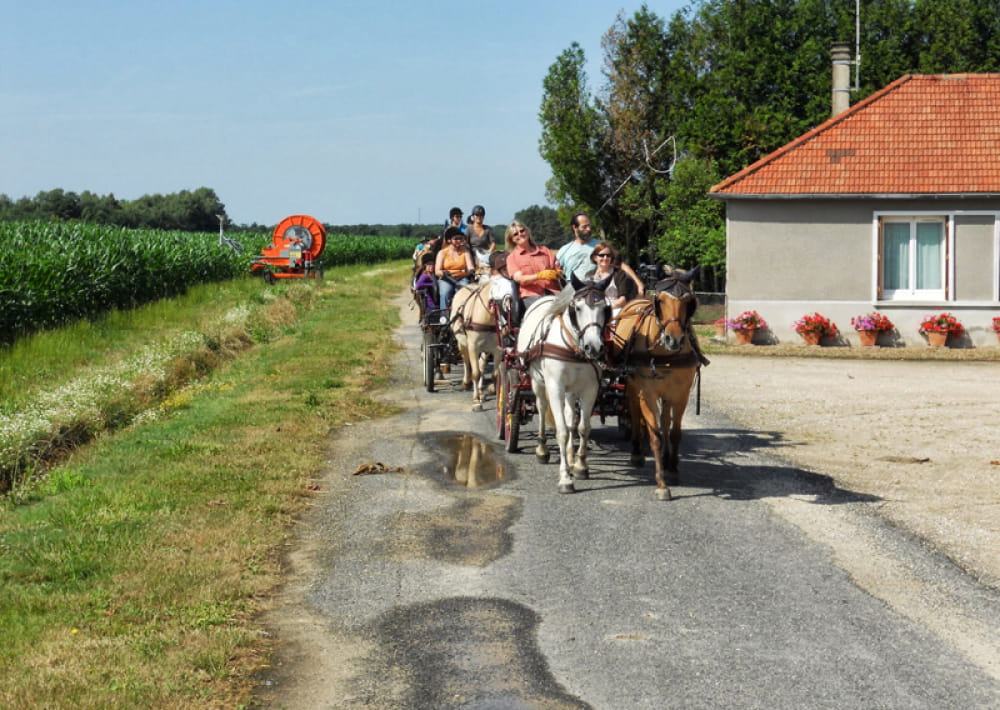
x=296, y=243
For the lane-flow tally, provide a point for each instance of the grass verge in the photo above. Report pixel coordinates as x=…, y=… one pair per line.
x=132, y=572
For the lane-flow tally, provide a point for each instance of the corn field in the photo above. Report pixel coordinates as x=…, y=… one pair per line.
x=53, y=273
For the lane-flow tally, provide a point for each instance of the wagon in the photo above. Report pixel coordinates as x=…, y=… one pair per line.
x=438, y=349
x=516, y=400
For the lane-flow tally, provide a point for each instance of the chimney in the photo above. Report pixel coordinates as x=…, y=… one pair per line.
x=841, y=55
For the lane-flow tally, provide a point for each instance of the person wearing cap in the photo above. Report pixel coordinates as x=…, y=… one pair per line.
x=453, y=265
x=533, y=267
x=425, y=285
x=481, y=238
x=454, y=220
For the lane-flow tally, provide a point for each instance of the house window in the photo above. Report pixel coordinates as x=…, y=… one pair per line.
x=913, y=256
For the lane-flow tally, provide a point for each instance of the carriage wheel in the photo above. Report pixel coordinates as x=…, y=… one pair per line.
x=500, y=383
x=430, y=361
x=512, y=415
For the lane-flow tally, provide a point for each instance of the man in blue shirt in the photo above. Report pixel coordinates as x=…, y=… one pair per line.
x=575, y=256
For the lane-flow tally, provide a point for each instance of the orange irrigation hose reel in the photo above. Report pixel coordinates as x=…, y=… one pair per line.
x=296, y=243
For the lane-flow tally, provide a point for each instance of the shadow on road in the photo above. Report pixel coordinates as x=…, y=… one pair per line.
x=728, y=463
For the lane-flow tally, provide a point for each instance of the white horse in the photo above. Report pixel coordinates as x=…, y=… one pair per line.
x=562, y=340
x=474, y=327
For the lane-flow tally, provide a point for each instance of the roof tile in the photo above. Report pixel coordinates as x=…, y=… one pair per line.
x=921, y=134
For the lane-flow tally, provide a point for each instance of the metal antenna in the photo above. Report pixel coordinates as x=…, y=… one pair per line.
x=857, y=45
x=669, y=171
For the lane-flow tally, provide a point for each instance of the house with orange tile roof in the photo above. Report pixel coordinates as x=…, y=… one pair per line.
x=891, y=205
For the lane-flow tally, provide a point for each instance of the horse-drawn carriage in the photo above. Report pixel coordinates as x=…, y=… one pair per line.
x=564, y=363
x=438, y=348
x=515, y=400
x=565, y=359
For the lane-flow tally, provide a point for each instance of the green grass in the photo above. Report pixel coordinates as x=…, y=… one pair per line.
x=133, y=571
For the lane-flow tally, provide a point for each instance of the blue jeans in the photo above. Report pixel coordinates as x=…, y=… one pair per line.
x=446, y=290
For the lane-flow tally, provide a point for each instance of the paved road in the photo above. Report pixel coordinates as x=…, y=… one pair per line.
x=416, y=590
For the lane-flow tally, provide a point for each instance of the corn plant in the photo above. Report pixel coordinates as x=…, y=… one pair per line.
x=53, y=273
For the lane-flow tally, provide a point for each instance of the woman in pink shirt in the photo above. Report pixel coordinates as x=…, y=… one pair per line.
x=533, y=267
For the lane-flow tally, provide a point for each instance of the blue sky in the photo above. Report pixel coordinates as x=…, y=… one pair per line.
x=351, y=111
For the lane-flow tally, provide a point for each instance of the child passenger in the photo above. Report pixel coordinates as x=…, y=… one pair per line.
x=426, y=285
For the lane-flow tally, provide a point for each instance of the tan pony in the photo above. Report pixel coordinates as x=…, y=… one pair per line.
x=660, y=357
x=474, y=327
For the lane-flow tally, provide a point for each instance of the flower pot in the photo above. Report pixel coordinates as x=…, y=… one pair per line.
x=937, y=338
x=868, y=338
x=811, y=337
x=720, y=332
x=744, y=336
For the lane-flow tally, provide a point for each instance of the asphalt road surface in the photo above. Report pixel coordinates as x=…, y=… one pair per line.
x=464, y=580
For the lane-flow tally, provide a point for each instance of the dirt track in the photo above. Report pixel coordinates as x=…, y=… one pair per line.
x=919, y=435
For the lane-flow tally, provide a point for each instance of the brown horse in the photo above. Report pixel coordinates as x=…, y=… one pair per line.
x=474, y=327
x=660, y=358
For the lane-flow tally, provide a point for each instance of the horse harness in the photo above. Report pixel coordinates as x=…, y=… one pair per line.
x=557, y=352
x=692, y=357
x=464, y=323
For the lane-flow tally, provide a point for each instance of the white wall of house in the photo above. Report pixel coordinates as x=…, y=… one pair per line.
x=790, y=257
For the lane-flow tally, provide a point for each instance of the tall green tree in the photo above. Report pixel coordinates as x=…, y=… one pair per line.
x=572, y=134
x=692, y=225
x=546, y=229
x=726, y=82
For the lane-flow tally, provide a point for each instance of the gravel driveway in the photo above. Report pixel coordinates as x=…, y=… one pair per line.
x=921, y=436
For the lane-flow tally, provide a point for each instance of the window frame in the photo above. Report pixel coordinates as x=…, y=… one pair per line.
x=912, y=218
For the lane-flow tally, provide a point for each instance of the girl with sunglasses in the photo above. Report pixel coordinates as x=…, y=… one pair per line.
x=622, y=288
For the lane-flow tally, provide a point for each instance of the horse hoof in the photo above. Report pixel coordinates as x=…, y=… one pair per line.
x=477, y=407
x=566, y=488
x=581, y=475
x=662, y=494
x=542, y=458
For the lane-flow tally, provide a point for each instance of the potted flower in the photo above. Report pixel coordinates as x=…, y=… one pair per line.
x=938, y=327
x=996, y=326
x=745, y=325
x=870, y=325
x=720, y=328
x=815, y=327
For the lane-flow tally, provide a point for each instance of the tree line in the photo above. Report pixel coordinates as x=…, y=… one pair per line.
x=687, y=101
x=199, y=211
x=187, y=210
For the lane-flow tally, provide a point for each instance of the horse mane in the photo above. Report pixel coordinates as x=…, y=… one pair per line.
x=560, y=302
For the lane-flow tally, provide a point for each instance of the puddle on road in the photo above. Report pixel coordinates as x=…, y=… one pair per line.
x=464, y=460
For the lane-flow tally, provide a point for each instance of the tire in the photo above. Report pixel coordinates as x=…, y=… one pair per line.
x=500, y=381
x=269, y=278
x=512, y=418
x=430, y=360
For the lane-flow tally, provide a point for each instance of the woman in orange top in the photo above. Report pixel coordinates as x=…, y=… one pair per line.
x=453, y=266
x=533, y=267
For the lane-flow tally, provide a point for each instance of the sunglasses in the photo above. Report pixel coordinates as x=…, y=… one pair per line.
x=603, y=256
x=521, y=231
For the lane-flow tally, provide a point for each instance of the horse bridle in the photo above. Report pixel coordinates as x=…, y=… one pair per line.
x=593, y=297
